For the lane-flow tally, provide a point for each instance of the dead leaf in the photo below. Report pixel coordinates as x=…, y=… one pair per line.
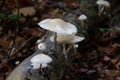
x=26, y=11
x=35, y=19
x=106, y=58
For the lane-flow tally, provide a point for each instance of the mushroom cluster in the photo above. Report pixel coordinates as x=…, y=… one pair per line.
x=101, y=5
x=65, y=32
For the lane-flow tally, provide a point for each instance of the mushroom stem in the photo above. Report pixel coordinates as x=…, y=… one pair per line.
x=82, y=24
x=64, y=50
x=75, y=51
x=100, y=10
x=68, y=49
x=40, y=69
x=55, y=42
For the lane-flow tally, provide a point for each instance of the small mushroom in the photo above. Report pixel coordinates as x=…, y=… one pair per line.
x=41, y=59
x=102, y=4
x=75, y=46
x=67, y=39
x=42, y=46
x=82, y=18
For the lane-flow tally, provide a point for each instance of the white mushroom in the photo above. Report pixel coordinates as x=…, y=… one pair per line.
x=82, y=18
x=102, y=4
x=42, y=46
x=67, y=39
x=58, y=25
x=41, y=59
x=75, y=46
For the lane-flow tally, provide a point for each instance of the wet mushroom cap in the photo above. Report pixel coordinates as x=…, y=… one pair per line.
x=58, y=25
x=41, y=59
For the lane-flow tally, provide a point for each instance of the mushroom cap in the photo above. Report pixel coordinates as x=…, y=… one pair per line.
x=42, y=46
x=69, y=39
x=76, y=39
x=37, y=66
x=39, y=41
x=82, y=17
x=41, y=59
x=58, y=25
x=62, y=38
x=75, y=45
x=103, y=3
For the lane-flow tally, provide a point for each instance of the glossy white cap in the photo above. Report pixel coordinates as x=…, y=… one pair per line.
x=58, y=25
x=41, y=59
x=82, y=17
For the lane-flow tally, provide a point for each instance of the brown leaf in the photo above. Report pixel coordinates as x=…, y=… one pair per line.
x=106, y=58
x=26, y=11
